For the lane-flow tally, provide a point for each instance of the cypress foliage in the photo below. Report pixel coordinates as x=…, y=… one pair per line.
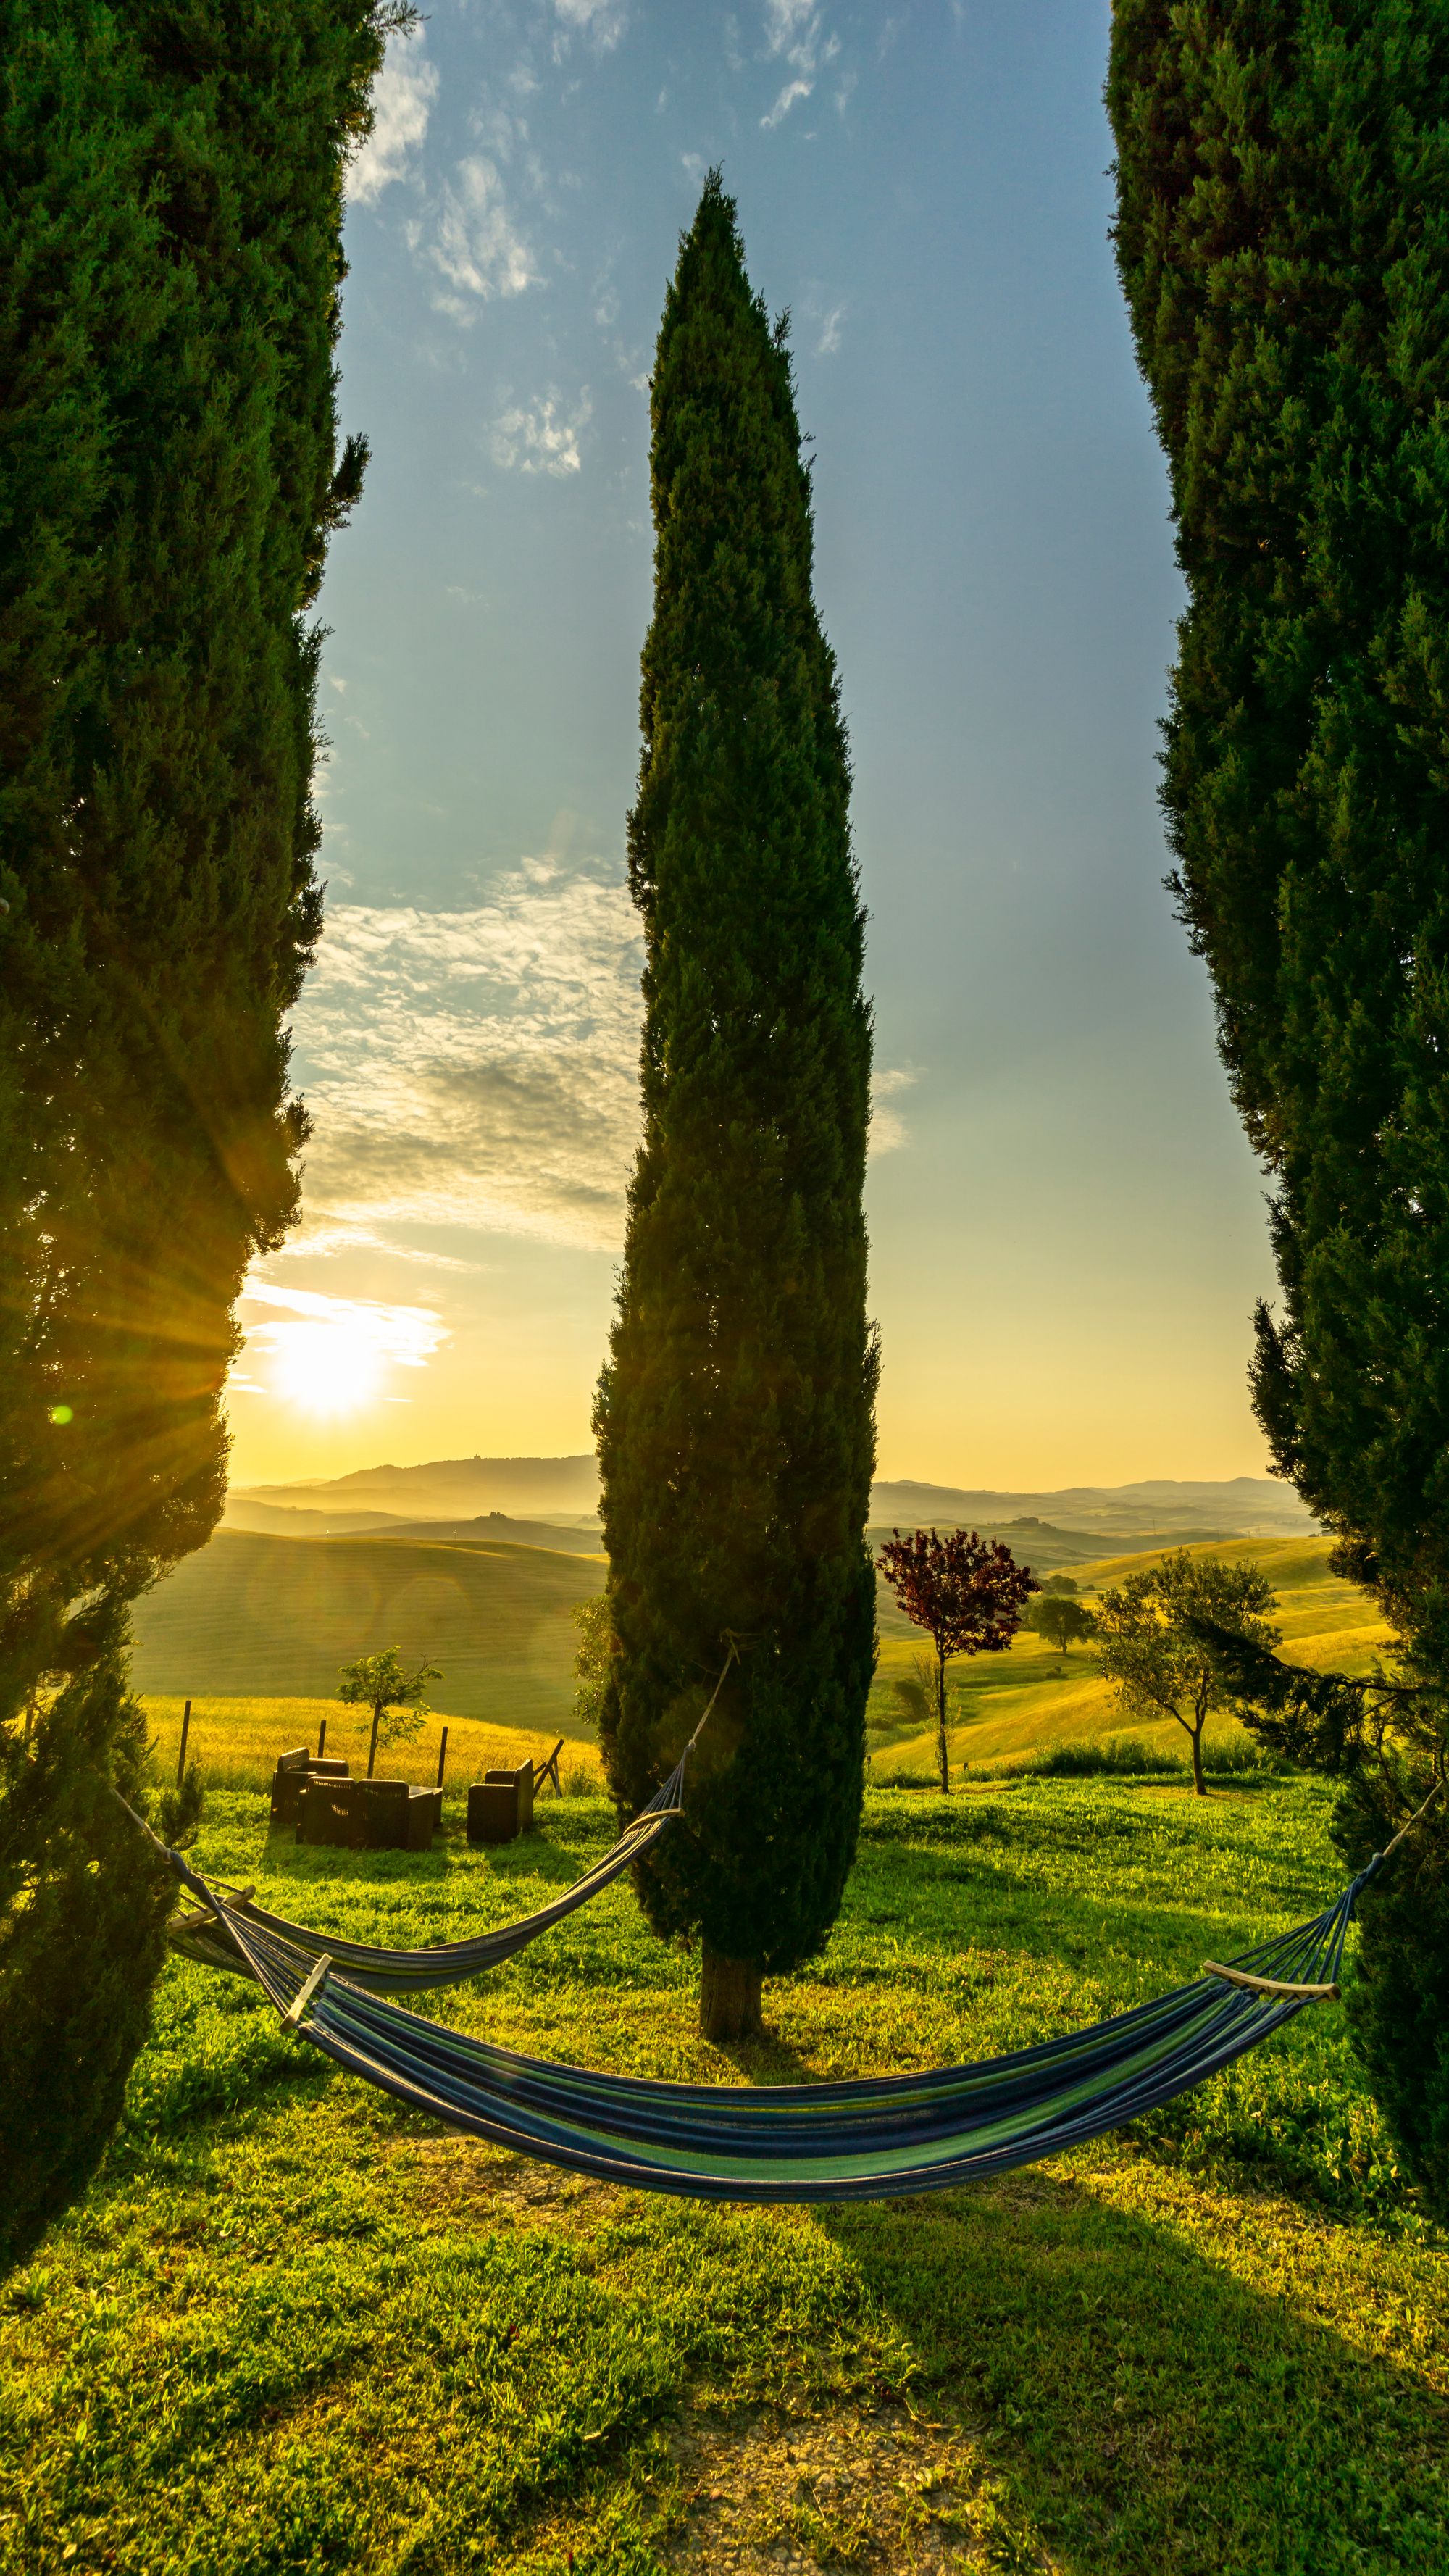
x=735, y=1415
x=1283, y=239
x=170, y=209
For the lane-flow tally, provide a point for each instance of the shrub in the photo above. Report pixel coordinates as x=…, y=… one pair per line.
x=1120, y=1754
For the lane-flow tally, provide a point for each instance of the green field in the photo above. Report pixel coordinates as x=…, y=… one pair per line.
x=1010, y=1706
x=256, y=1616
x=297, y=2329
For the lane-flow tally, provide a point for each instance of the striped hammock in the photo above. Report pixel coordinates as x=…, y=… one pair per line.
x=869, y=2140
x=211, y=1936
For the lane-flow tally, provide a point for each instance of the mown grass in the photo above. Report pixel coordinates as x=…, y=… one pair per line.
x=298, y=2329
x=1006, y=1707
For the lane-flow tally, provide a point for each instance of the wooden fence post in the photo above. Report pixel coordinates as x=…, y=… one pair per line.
x=181, y=1756
x=442, y=1755
x=321, y=1739
x=372, y=1748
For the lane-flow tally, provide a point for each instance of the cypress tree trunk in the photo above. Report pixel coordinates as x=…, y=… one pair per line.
x=735, y=1415
x=170, y=211
x=1283, y=240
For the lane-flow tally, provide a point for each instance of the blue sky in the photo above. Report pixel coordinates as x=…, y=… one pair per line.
x=1068, y=1230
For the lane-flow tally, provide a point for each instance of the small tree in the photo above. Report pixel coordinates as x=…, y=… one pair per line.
x=1063, y=1623
x=593, y=1657
x=968, y=1593
x=397, y=1697
x=1063, y=1583
x=1160, y=1666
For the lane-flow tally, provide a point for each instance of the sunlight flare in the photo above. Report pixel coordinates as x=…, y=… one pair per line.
x=331, y=1356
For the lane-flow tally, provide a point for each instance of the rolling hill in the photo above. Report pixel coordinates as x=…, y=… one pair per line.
x=1167, y=1510
x=256, y=1615
x=1157, y=1509
x=447, y=1489
x=1016, y=1703
x=276, y=1520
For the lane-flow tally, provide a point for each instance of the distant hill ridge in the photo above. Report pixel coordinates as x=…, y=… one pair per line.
x=1156, y=1508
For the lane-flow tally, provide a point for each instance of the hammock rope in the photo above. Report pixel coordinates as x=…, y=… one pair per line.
x=210, y=1936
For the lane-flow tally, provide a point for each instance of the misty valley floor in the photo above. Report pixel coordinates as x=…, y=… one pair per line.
x=298, y=2329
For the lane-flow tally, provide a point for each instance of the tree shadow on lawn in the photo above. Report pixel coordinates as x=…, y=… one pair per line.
x=947, y=1900
x=1141, y=2407
x=534, y=1861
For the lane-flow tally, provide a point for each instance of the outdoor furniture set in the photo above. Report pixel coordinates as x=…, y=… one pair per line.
x=326, y=1805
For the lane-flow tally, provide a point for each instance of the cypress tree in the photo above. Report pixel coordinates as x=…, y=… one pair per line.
x=735, y=1414
x=170, y=212
x=1283, y=240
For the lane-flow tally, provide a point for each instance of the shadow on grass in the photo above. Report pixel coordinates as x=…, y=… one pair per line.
x=539, y=1859
x=1142, y=2407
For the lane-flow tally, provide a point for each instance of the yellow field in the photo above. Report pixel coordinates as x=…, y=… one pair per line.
x=236, y=1742
x=1006, y=1706
x=1017, y=1703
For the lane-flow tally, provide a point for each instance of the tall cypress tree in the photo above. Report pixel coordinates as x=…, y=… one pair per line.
x=1283, y=239
x=735, y=1415
x=170, y=214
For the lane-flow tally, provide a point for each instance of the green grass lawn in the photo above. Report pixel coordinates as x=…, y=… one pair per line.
x=296, y=2328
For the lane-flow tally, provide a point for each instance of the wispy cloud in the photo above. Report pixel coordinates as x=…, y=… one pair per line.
x=477, y=1068
x=602, y=21
x=402, y=105
x=830, y=329
x=543, y=439
x=793, y=35
x=888, y=1130
x=317, y=1239
x=477, y=245
x=787, y=23
x=793, y=90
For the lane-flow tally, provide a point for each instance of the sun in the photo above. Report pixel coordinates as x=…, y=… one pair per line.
x=324, y=1367
x=331, y=1356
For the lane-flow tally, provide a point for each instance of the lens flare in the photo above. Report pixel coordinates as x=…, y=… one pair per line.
x=330, y=1356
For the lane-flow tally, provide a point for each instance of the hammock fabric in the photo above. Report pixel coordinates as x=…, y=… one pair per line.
x=212, y=1937
x=815, y=2142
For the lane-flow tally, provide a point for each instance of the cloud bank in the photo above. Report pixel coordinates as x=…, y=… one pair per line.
x=477, y=1068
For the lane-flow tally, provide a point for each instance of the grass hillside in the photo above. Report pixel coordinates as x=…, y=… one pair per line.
x=254, y=1627
x=237, y=1741
x=295, y=2328
x=255, y=1616
x=1012, y=1705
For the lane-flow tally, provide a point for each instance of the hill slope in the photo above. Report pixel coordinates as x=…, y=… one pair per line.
x=1016, y=1703
x=252, y=1615
x=1160, y=1508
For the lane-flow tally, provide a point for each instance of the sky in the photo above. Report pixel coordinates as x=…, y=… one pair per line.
x=1068, y=1230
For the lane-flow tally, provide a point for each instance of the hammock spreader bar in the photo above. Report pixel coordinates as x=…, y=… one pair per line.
x=211, y=1937
x=868, y=2140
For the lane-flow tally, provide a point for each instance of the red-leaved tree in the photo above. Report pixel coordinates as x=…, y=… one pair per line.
x=968, y=1593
